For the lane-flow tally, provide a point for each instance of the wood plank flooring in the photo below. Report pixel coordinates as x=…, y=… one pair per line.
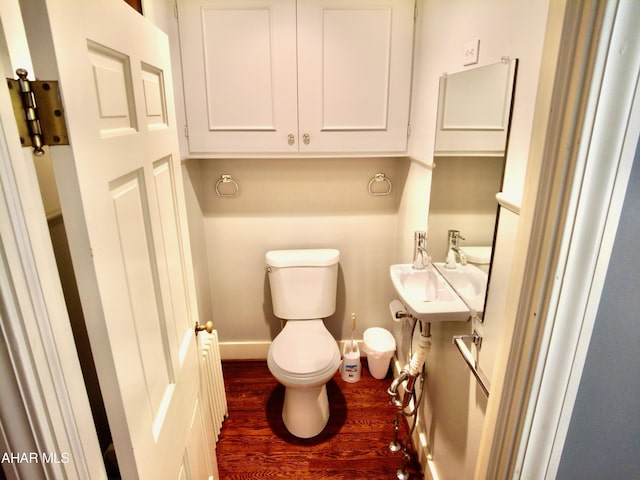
x=254, y=443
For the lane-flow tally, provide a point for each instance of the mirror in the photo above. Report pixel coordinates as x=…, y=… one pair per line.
x=472, y=130
x=474, y=109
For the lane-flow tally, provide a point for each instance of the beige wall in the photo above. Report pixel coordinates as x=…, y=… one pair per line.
x=297, y=203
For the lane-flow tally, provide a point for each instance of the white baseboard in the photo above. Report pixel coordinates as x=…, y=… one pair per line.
x=244, y=350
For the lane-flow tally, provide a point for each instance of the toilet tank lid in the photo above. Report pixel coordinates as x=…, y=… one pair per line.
x=318, y=257
x=477, y=254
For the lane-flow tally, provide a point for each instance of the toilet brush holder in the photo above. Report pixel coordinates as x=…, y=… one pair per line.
x=350, y=368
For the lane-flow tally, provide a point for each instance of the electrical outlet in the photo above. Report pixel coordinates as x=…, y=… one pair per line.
x=471, y=50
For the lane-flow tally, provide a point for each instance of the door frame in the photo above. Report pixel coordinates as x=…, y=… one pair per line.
x=584, y=139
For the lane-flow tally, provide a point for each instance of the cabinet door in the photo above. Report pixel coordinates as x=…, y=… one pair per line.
x=354, y=74
x=239, y=62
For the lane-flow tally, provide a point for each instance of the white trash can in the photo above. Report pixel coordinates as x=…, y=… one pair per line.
x=379, y=346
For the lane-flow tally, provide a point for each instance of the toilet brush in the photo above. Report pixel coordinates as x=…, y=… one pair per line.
x=350, y=368
x=353, y=329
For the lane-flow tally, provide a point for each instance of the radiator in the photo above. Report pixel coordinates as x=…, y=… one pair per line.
x=212, y=381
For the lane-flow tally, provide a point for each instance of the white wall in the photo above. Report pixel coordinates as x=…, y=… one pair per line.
x=454, y=408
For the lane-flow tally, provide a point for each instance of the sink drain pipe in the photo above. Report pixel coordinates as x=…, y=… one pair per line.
x=410, y=372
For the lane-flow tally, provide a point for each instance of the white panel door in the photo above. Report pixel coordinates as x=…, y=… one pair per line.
x=122, y=199
x=239, y=58
x=354, y=74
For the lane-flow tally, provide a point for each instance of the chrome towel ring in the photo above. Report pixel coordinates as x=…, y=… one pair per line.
x=235, y=189
x=379, y=177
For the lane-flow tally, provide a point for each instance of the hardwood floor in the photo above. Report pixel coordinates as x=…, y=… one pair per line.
x=254, y=443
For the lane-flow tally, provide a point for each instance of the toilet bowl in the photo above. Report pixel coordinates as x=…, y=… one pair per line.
x=304, y=367
x=304, y=356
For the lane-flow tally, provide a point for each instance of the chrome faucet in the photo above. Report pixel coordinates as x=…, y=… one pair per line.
x=454, y=238
x=420, y=255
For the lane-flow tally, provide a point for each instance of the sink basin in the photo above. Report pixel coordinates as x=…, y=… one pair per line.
x=427, y=295
x=469, y=282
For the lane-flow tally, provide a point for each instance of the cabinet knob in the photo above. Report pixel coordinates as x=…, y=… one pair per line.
x=291, y=138
x=306, y=138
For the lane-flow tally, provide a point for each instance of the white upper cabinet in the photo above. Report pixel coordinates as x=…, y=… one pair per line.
x=239, y=69
x=305, y=76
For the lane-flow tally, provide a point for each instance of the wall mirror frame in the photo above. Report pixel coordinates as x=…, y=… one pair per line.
x=471, y=142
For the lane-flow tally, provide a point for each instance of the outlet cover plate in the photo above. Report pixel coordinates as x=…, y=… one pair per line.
x=471, y=50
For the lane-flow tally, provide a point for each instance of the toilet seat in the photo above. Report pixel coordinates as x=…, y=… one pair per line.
x=303, y=354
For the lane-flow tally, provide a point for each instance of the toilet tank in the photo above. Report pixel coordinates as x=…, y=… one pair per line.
x=478, y=256
x=303, y=282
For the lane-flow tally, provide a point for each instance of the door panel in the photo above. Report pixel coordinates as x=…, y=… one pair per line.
x=154, y=97
x=113, y=90
x=138, y=313
x=354, y=74
x=121, y=192
x=355, y=77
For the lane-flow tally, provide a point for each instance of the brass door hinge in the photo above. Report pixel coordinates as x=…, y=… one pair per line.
x=38, y=110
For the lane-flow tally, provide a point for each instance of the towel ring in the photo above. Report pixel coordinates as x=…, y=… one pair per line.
x=227, y=179
x=379, y=177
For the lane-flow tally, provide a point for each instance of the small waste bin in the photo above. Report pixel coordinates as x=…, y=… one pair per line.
x=379, y=346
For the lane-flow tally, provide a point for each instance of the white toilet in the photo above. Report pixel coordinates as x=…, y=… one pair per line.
x=478, y=256
x=304, y=356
